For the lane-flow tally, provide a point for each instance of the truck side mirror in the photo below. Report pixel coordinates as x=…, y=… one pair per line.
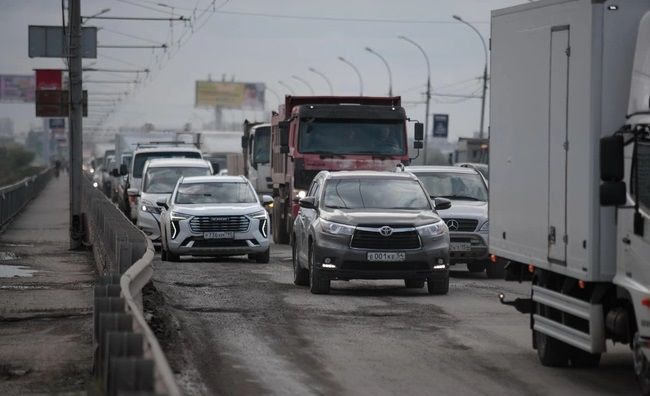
x=418, y=144
x=123, y=170
x=612, y=193
x=244, y=142
x=612, y=163
x=284, y=136
x=419, y=131
x=115, y=173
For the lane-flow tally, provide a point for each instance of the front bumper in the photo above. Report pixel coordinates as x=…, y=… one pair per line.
x=478, y=247
x=352, y=263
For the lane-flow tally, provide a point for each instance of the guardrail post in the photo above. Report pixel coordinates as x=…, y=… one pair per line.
x=123, y=257
x=109, y=322
x=120, y=344
x=131, y=374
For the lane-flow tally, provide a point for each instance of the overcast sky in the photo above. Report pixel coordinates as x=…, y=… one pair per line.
x=260, y=41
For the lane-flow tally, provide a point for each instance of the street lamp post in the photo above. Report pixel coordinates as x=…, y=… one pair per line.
x=307, y=84
x=347, y=62
x=327, y=80
x=485, y=71
x=426, y=116
x=390, y=75
x=287, y=86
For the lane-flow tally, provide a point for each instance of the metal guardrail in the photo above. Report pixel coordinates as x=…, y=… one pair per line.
x=14, y=197
x=128, y=357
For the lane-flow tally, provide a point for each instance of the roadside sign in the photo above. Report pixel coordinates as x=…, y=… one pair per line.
x=56, y=103
x=440, y=125
x=51, y=42
x=49, y=79
x=16, y=88
x=56, y=123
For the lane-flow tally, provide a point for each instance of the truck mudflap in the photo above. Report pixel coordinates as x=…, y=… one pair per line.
x=592, y=342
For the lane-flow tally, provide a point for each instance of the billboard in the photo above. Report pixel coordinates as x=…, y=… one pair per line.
x=17, y=88
x=230, y=95
x=440, y=125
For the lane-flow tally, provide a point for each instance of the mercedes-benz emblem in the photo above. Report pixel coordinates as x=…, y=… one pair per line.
x=452, y=225
x=386, y=231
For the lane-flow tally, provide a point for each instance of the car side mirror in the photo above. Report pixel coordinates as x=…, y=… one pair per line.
x=267, y=200
x=418, y=132
x=441, y=203
x=115, y=173
x=284, y=136
x=133, y=192
x=162, y=203
x=308, y=203
x=123, y=169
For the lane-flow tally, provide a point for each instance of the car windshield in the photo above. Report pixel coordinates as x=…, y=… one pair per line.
x=262, y=145
x=339, y=137
x=141, y=158
x=467, y=186
x=215, y=193
x=163, y=180
x=375, y=193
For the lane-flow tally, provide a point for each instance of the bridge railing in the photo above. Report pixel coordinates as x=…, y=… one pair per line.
x=14, y=197
x=128, y=357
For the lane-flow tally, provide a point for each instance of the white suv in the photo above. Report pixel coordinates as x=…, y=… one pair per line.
x=215, y=216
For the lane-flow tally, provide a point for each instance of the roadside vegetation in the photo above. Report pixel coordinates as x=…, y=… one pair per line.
x=15, y=164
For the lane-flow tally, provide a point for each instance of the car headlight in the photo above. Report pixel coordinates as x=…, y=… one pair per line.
x=175, y=216
x=336, y=228
x=485, y=227
x=148, y=207
x=433, y=230
x=258, y=215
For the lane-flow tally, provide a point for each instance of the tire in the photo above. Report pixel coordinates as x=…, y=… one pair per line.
x=641, y=365
x=582, y=359
x=263, y=258
x=495, y=270
x=317, y=285
x=476, y=266
x=438, y=287
x=173, y=257
x=163, y=253
x=300, y=275
x=280, y=234
x=414, y=283
x=551, y=352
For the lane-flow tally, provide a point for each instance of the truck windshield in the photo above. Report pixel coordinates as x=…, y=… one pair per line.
x=375, y=193
x=461, y=186
x=163, y=180
x=215, y=193
x=262, y=145
x=352, y=137
x=141, y=158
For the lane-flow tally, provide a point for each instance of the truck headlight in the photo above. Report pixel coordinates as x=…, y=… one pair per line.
x=433, y=230
x=300, y=194
x=485, y=227
x=336, y=228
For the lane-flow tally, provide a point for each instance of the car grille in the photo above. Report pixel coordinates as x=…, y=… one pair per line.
x=464, y=225
x=382, y=266
x=219, y=223
x=365, y=239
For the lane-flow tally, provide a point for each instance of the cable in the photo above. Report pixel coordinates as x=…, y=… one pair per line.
x=144, y=6
x=130, y=35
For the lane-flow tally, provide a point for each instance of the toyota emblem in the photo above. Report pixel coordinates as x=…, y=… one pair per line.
x=452, y=225
x=386, y=231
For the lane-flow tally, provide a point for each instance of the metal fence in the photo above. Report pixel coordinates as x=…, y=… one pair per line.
x=14, y=197
x=128, y=357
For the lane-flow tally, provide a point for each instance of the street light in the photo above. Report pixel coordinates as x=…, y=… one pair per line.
x=287, y=86
x=390, y=75
x=347, y=62
x=485, y=71
x=327, y=80
x=302, y=80
x=426, y=115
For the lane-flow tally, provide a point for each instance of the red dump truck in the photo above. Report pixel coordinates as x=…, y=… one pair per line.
x=314, y=133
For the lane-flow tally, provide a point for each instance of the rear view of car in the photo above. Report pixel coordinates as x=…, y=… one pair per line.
x=215, y=216
x=159, y=179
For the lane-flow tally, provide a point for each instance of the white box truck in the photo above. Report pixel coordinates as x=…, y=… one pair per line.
x=570, y=89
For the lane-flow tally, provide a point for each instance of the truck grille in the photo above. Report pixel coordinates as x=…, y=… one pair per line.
x=399, y=239
x=464, y=225
x=219, y=223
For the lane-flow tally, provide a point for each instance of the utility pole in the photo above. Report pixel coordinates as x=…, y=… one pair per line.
x=75, y=122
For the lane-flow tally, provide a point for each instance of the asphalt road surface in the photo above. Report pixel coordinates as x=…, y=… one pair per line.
x=245, y=328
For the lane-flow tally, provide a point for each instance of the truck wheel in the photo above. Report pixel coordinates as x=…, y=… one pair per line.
x=317, y=285
x=300, y=275
x=476, y=266
x=641, y=365
x=438, y=286
x=495, y=270
x=551, y=352
x=413, y=283
x=582, y=359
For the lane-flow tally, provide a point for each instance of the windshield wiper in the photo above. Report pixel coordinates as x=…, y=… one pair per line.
x=461, y=197
x=336, y=207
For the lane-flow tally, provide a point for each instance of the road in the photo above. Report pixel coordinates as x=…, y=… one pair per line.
x=244, y=328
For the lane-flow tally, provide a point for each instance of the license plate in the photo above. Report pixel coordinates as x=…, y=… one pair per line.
x=460, y=246
x=218, y=235
x=386, y=256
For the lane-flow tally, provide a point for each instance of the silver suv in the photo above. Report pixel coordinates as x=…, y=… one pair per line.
x=370, y=225
x=467, y=219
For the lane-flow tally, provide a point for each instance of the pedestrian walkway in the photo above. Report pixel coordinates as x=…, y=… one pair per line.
x=45, y=300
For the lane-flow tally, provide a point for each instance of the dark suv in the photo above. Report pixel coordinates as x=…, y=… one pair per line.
x=370, y=225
